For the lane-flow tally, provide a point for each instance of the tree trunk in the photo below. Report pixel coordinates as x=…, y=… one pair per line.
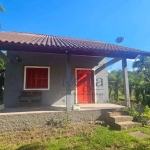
x=116, y=93
x=110, y=90
x=130, y=90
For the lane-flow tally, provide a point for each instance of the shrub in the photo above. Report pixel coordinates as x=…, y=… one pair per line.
x=140, y=113
x=145, y=115
x=133, y=112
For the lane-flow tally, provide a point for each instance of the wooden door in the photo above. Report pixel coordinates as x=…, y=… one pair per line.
x=85, y=86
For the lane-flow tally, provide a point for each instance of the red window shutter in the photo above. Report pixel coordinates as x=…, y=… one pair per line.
x=36, y=78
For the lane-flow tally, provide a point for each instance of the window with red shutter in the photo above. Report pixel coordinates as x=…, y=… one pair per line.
x=36, y=78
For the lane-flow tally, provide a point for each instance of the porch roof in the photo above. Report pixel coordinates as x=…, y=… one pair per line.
x=21, y=41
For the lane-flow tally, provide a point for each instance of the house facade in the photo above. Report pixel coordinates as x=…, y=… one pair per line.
x=47, y=73
x=68, y=71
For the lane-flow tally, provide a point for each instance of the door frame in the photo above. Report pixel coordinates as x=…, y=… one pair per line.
x=76, y=97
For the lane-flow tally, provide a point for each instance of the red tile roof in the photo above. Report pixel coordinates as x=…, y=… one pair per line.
x=10, y=40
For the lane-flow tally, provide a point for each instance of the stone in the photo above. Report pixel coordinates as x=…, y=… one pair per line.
x=76, y=107
x=139, y=134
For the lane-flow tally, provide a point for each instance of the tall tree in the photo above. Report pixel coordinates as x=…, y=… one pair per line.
x=142, y=63
x=2, y=8
x=115, y=80
x=2, y=63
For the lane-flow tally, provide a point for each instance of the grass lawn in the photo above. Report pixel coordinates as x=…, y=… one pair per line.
x=74, y=137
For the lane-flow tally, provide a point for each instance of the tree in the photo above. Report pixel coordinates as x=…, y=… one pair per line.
x=2, y=8
x=142, y=63
x=2, y=67
x=131, y=76
x=115, y=81
x=2, y=63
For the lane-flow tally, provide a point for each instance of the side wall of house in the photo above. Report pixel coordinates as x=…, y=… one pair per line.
x=14, y=77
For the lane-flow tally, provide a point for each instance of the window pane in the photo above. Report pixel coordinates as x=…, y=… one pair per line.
x=28, y=83
x=39, y=72
x=45, y=72
x=38, y=83
x=33, y=83
x=36, y=78
x=33, y=72
x=28, y=73
x=45, y=83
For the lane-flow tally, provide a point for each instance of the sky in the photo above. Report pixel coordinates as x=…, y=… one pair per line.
x=102, y=20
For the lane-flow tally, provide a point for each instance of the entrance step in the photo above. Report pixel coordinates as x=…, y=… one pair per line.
x=120, y=120
x=126, y=125
x=117, y=113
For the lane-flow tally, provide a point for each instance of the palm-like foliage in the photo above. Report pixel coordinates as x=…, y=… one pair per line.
x=115, y=81
x=131, y=77
x=142, y=63
x=2, y=8
x=2, y=64
x=143, y=77
x=139, y=81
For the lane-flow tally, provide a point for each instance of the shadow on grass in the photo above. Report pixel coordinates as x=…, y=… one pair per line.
x=72, y=148
x=34, y=146
x=141, y=146
x=38, y=146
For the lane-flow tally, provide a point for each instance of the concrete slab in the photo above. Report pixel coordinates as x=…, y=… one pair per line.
x=139, y=135
x=58, y=108
x=100, y=106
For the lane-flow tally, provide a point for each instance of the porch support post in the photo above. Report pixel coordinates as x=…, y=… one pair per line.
x=68, y=85
x=126, y=82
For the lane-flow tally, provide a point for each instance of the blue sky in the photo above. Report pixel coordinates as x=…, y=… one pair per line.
x=102, y=20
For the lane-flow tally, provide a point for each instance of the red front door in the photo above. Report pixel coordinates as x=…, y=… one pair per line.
x=85, y=86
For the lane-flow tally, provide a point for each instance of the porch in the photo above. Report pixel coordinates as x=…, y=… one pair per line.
x=29, y=118
x=36, y=54
x=56, y=108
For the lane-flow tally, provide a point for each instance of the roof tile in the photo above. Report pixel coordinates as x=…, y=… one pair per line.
x=63, y=42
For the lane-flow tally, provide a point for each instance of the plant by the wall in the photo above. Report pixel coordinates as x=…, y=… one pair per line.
x=140, y=113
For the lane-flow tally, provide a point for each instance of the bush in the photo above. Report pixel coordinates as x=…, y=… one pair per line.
x=133, y=111
x=140, y=113
x=145, y=115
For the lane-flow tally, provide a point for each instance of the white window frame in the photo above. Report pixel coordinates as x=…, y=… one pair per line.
x=24, y=85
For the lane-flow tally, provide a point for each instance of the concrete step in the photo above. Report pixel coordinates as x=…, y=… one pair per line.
x=117, y=113
x=126, y=125
x=120, y=118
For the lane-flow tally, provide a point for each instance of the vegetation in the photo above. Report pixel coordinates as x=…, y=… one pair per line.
x=2, y=63
x=139, y=82
x=75, y=137
x=140, y=113
x=2, y=8
x=139, y=88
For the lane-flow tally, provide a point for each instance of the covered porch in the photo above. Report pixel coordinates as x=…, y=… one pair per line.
x=68, y=49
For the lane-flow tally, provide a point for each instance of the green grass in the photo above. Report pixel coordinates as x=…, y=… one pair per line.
x=76, y=138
